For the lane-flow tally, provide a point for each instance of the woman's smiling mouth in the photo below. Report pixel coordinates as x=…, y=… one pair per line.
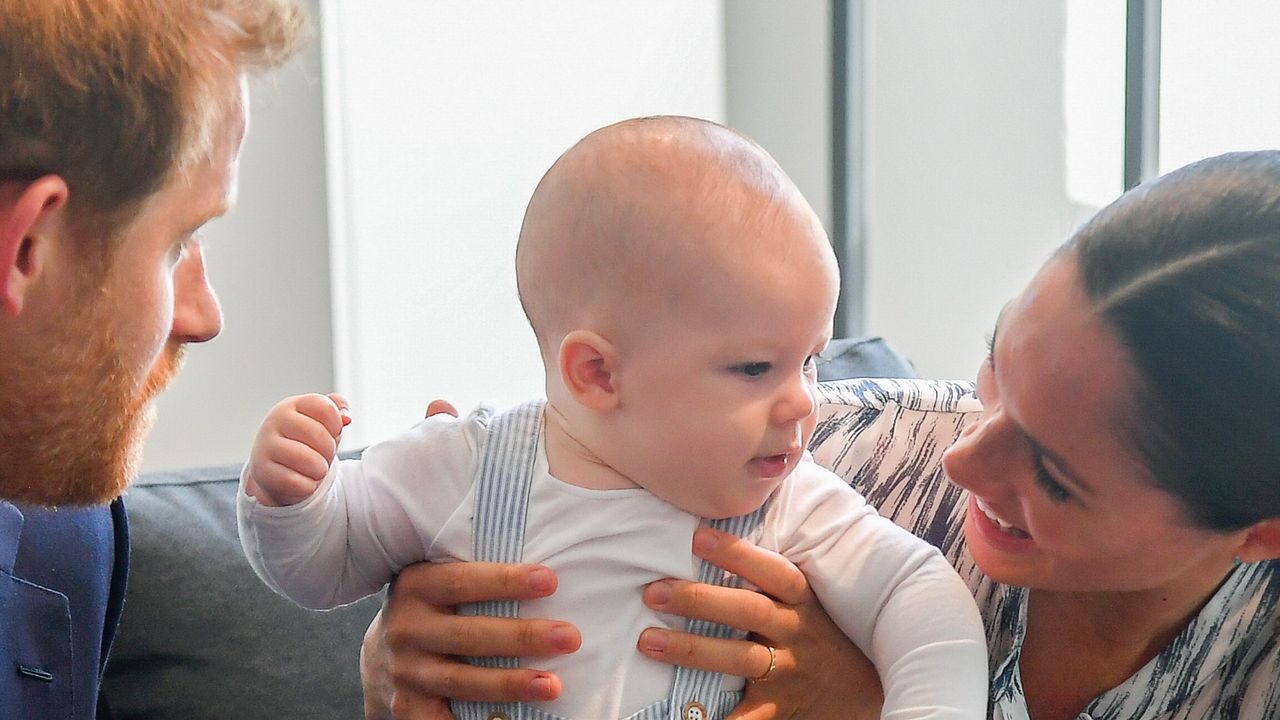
x=1001, y=525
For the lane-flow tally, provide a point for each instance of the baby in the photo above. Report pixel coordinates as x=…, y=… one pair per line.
x=681, y=291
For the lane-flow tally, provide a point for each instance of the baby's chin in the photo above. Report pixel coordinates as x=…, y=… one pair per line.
x=742, y=503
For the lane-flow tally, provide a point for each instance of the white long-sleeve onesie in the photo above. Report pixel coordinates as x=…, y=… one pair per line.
x=411, y=499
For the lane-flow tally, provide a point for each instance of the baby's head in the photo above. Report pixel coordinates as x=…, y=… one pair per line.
x=679, y=286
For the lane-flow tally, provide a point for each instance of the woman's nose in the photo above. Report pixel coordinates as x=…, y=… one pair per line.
x=981, y=458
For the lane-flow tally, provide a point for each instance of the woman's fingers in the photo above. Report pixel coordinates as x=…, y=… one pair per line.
x=818, y=673
x=457, y=583
x=435, y=407
x=775, y=575
x=744, y=658
x=473, y=636
x=409, y=660
x=431, y=677
x=736, y=607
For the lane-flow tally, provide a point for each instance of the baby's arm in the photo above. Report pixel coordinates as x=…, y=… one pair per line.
x=322, y=533
x=893, y=595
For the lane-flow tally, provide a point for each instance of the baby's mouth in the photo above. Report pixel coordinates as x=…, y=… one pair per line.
x=1004, y=527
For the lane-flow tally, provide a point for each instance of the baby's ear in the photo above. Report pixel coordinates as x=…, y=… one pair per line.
x=1262, y=541
x=588, y=364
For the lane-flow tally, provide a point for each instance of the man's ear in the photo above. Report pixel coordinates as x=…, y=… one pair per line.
x=588, y=369
x=28, y=216
x=1261, y=542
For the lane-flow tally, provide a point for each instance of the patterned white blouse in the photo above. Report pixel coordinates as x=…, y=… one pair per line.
x=887, y=437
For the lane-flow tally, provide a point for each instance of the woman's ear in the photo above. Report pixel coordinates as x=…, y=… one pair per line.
x=29, y=214
x=588, y=369
x=1261, y=542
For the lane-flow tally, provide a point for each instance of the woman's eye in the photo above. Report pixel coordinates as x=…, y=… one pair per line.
x=1054, y=489
x=754, y=369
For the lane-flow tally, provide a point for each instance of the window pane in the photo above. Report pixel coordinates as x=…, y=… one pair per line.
x=1219, y=79
x=993, y=128
x=1093, y=92
x=442, y=117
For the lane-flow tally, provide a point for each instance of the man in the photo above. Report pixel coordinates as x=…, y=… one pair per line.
x=120, y=126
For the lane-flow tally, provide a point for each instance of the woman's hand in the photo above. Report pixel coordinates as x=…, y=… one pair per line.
x=405, y=661
x=819, y=673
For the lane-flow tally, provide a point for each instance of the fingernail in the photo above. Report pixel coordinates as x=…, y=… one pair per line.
x=542, y=580
x=704, y=541
x=659, y=593
x=654, y=641
x=542, y=686
x=563, y=638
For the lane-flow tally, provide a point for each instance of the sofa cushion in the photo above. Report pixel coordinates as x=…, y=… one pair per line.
x=202, y=637
x=863, y=357
x=887, y=437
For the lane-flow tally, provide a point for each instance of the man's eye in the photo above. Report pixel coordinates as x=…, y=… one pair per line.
x=754, y=369
x=179, y=249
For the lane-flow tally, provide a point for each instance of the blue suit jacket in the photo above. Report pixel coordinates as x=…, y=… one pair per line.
x=62, y=582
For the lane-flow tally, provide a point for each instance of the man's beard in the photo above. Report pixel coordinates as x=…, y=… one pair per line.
x=75, y=413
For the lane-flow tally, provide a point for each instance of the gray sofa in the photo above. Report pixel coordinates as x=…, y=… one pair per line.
x=202, y=638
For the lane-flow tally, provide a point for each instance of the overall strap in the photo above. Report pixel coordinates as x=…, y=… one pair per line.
x=503, y=483
x=502, y=496
x=696, y=694
x=503, y=479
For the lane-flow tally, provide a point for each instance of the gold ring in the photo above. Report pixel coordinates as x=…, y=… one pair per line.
x=773, y=663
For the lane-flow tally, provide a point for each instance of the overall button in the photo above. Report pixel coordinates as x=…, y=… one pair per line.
x=694, y=710
x=498, y=716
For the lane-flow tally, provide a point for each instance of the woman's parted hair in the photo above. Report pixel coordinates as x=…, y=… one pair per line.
x=1186, y=269
x=115, y=96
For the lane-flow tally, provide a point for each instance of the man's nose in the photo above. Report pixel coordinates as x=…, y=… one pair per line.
x=197, y=315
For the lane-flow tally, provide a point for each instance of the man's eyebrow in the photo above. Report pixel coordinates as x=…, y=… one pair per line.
x=219, y=210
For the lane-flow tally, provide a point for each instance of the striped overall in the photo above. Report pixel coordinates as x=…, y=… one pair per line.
x=505, y=472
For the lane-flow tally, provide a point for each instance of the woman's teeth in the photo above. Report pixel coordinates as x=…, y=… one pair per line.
x=1005, y=527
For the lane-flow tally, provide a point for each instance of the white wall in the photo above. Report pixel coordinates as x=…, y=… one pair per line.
x=269, y=260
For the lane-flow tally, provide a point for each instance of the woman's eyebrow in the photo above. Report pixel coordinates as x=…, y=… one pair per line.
x=1063, y=468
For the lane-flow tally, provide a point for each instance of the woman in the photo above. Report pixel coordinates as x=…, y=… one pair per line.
x=1123, y=510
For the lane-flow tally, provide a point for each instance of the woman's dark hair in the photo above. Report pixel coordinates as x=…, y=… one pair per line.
x=1186, y=269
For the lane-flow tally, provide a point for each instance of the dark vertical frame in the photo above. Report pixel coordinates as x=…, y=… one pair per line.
x=847, y=226
x=848, y=236
x=1141, y=91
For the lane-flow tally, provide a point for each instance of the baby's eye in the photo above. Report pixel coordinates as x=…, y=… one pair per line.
x=753, y=369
